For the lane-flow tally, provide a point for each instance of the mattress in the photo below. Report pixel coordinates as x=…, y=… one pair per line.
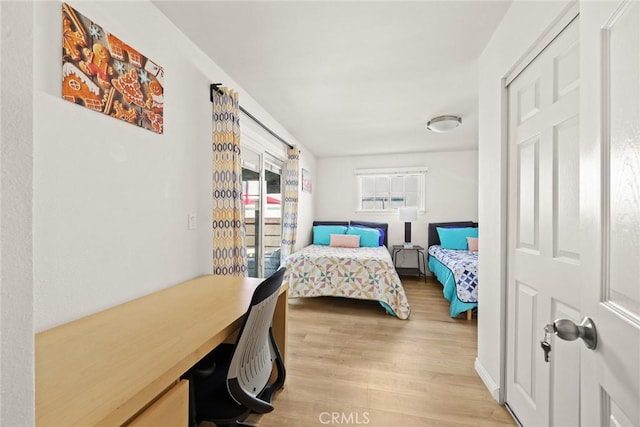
x=457, y=270
x=362, y=273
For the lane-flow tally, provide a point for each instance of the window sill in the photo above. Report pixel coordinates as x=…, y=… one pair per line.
x=383, y=212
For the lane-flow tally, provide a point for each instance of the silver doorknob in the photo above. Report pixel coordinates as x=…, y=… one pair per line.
x=569, y=331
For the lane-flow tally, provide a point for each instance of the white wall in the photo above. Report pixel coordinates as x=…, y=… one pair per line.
x=452, y=190
x=111, y=199
x=16, y=203
x=524, y=23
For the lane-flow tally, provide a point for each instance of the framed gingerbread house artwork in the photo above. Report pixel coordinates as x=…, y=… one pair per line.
x=104, y=74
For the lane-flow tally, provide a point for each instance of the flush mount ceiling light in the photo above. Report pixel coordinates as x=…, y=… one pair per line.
x=442, y=124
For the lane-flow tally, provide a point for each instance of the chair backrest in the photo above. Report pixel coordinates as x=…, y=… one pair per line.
x=254, y=352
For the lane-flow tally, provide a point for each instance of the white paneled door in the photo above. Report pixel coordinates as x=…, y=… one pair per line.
x=544, y=233
x=574, y=223
x=610, y=211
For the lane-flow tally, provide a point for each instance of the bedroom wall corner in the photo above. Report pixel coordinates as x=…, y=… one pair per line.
x=521, y=27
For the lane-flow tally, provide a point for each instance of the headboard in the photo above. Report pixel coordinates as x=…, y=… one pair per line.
x=382, y=225
x=433, y=237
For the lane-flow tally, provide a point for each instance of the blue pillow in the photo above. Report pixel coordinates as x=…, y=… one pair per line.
x=380, y=230
x=322, y=233
x=456, y=238
x=369, y=237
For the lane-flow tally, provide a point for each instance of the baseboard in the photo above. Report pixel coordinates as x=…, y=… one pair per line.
x=493, y=388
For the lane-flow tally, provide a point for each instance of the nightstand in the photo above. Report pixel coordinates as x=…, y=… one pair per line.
x=421, y=257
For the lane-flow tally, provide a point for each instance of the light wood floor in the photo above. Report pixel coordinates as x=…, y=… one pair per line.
x=351, y=364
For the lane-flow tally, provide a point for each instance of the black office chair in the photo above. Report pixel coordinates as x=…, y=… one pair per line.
x=232, y=381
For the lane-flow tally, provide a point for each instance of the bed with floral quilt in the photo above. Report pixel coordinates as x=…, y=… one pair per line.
x=453, y=260
x=343, y=269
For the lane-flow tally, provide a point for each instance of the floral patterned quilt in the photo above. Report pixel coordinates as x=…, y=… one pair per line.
x=361, y=273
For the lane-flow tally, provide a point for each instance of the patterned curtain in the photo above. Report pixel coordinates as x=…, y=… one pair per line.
x=229, y=251
x=290, y=216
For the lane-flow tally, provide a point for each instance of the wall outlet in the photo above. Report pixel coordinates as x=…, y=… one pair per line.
x=192, y=221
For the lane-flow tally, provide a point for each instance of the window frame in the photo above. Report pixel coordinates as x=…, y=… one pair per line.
x=421, y=172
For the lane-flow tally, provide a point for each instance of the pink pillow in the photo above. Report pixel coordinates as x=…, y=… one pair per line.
x=472, y=242
x=344, y=241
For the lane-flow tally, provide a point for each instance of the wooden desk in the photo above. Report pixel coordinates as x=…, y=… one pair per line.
x=107, y=368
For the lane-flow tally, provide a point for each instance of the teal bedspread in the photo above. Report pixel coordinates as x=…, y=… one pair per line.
x=445, y=276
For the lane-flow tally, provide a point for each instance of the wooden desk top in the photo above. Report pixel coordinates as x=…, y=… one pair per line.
x=103, y=368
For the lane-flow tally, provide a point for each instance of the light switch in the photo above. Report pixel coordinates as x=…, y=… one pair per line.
x=192, y=221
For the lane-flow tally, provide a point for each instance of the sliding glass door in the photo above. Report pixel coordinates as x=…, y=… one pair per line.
x=262, y=195
x=272, y=219
x=251, y=202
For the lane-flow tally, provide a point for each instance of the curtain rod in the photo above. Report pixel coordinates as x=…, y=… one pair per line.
x=215, y=89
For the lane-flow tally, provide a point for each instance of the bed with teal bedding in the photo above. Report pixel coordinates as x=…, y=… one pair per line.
x=455, y=269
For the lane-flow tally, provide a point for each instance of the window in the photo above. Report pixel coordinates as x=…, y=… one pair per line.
x=262, y=190
x=387, y=189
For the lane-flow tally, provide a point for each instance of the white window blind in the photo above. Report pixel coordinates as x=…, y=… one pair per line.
x=390, y=189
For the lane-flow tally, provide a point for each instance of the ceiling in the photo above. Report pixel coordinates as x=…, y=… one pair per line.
x=351, y=78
